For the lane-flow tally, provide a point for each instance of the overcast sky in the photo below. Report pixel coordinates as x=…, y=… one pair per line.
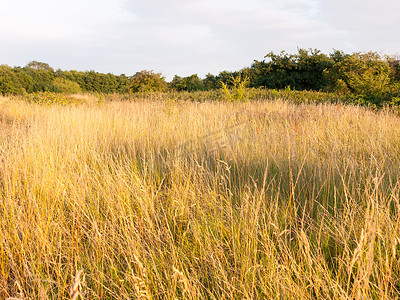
x=188, y=36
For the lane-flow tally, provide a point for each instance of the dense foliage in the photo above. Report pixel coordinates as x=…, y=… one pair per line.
x=362, y=77
x=40, y=77
x=368, y=76
x=147, y=81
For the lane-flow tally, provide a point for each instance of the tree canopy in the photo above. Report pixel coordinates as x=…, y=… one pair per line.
x=368, y=75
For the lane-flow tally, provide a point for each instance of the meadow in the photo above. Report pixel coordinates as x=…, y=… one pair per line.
x=166, y=198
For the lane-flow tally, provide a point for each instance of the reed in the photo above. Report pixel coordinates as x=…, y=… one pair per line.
x=172, y=199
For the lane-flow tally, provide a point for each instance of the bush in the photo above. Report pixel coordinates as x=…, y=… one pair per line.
x=147, y=81
x=367, y=76
x=66, y=86
x=238, y=91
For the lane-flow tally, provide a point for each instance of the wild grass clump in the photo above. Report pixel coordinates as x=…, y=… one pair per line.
x=184, y=200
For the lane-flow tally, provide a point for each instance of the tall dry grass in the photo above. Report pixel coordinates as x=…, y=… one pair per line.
x=165, y=200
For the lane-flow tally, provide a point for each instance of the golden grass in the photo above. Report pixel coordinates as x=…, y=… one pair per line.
x=165, y=200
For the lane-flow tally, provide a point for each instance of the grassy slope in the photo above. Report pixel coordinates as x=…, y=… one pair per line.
x=187, y=200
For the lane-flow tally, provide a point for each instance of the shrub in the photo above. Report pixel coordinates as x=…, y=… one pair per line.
x=238, y=91
x=147, y=81
x=62, y=85
x=368, y=76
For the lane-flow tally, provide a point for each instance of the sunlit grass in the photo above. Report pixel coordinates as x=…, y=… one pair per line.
x=168, y=199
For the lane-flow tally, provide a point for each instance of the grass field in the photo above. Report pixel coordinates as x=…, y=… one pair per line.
x=170, y=199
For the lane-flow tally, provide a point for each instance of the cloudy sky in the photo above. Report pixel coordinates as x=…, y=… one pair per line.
x=188, y=36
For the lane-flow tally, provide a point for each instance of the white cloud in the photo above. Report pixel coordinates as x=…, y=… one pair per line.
x=187, y=36
x=369, y=24
x=227, y=34
x=59, y=20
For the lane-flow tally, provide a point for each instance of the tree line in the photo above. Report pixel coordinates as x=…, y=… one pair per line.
x=371, y=76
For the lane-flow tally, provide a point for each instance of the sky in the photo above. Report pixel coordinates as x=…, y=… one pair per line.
x=185, y=37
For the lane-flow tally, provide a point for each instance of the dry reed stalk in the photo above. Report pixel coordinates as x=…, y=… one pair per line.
x=141, y=288
x=188, y=289
x=121, y=166
x=76, y=288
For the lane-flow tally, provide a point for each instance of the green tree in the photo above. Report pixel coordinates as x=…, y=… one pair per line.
x=259, y=74
x=311, y=64
x=42, y=76
x=147, y=81
x=190, y=83
x=176, y=83
x=301, y=71
x=210, y=82
x=394, y=63
x=123, y=83
x=92, y=81
x=226, y=77
x=366, y=74
x=75, y=76
x=37, y=65
x=9, y=81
